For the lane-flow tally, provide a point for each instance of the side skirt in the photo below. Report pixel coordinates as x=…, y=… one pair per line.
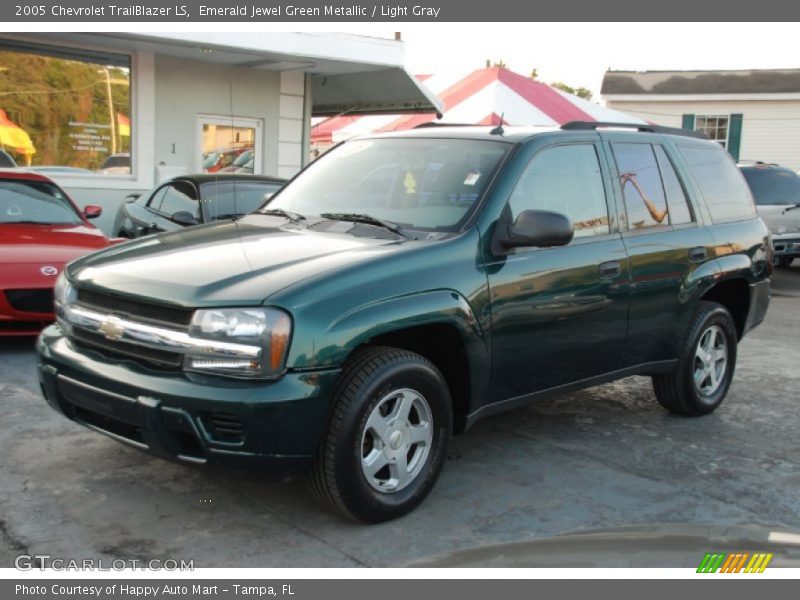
x=651, y=368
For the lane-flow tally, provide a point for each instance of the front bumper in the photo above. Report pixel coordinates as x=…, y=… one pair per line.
x=786, y=244
x=271, y=426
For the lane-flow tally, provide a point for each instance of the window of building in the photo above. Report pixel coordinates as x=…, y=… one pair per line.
x=65, y=110
x=714, y=126
x=722, y=184
x=565, y=179
x=229, y=145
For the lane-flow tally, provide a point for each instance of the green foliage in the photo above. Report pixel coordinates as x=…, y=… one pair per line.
x=581, y=92
x=43, y=95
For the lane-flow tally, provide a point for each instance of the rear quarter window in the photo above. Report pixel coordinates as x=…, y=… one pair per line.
x=723, y=187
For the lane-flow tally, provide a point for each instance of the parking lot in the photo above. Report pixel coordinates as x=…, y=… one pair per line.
x=605, y=457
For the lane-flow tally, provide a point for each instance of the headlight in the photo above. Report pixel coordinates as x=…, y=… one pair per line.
x=63, y=294
x=268, y=329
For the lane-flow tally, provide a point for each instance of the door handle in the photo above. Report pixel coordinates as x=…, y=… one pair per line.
x=609, y=269
x=697, y=254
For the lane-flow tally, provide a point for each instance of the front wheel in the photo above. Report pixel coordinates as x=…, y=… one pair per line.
x=704, y=372
x=387, y=437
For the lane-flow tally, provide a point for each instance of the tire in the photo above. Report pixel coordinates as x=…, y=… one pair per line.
x=359, y=467
x=680, y=392
x=784, y=262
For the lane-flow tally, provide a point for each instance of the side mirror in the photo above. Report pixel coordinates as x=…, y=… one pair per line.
x=91, y=211
x=184, y=217
x=538, y=228
x=132, y=198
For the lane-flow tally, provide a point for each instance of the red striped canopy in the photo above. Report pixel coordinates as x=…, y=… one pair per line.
x=480, y=98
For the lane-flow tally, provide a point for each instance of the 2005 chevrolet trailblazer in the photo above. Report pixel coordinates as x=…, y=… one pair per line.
x=403, y=286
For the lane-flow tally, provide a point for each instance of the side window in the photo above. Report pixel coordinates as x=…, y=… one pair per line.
x=721, y=183
x=179, y=197
x=565, y=179
x=642, y=189
x=157, y=198
x=679, y=211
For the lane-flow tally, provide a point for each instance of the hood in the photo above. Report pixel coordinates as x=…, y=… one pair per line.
x=232, y=263
x=24, y=243
x=779, y=219
x=653, y=546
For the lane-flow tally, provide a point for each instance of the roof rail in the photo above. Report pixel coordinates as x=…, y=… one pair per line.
x=440, y=124
x=646, y=127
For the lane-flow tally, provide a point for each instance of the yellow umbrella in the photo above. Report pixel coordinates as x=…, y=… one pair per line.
x=15, y=138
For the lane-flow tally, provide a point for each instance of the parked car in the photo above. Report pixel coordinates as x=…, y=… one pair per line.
x=193, y=199
x=41, y=229
x=243, y=164
x=117, y=164
x=6, y=160
x=776, y=191
x=348, y=330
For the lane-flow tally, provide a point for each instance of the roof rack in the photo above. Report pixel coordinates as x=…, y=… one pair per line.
x=440, y=124
x=646, y=127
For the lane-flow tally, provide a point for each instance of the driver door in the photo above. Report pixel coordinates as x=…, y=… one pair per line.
x=559, y=315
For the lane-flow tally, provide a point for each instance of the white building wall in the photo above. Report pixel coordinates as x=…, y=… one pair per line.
x=770, y=128
x=291, y=114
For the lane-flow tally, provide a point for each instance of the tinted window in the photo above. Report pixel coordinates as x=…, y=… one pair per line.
x=157, y=198
x=679, y=211
x=226, y=199
x=567, y=180
x=34, y=202
x=771, y=185
x=724, y=189
x=180, y=197
x=425, y=183
x=640, y=180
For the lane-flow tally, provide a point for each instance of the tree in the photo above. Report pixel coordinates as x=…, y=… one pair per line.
x=581, y=92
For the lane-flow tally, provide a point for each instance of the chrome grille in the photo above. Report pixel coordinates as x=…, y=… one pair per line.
x=168, y=316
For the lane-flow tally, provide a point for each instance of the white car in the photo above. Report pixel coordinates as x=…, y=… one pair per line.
x=776, y=191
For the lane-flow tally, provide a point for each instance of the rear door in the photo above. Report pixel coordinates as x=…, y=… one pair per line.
x=665, y=241
x=559, y=314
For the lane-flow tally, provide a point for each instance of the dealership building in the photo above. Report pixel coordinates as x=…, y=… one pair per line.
x=111, y=114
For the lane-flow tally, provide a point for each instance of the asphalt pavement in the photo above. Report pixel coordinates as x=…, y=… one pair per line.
x=597, y=459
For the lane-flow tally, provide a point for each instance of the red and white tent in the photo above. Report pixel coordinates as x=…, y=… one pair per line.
x=480, y=98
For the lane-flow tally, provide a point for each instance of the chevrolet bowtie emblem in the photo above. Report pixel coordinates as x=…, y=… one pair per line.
x=112, y=328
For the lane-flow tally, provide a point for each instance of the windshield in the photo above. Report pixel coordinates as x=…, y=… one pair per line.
x=417, y=183
x=773, y=186
x=225, y=199
x=35, y=202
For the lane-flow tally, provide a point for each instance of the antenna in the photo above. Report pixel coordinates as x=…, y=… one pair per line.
x=233, y=181
x=499, y=129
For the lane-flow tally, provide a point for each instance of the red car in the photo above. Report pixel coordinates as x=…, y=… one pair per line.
x=41, y=229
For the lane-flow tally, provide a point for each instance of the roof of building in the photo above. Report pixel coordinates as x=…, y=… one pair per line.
x=752, y=81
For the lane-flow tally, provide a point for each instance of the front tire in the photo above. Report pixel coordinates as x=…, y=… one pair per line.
x=704, y=372
x=387, y=436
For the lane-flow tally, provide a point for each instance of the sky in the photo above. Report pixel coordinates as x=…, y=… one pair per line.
x=579, y=53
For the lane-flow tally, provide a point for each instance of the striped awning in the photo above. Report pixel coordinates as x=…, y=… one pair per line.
x=480, y=98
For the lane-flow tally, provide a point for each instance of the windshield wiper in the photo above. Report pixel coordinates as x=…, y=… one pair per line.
x=369, y=220
x=279, y=212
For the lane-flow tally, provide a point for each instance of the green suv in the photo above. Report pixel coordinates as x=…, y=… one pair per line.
x=402, y=287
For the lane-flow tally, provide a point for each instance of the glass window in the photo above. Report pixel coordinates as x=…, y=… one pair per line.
x=226, y=199
x=773, y=185
x=180, y=196
x=157, y=198
x=640, y=179
x=422, y=183
x=722, y=184
x=567, y=180
x=679, y=211
x=229, y=145
x=714, y=126
x=65, y=108
x=34, y=202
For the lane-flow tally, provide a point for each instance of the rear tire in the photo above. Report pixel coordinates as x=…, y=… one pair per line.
x=784, y=262
x=704, y=372
x=387, y=437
